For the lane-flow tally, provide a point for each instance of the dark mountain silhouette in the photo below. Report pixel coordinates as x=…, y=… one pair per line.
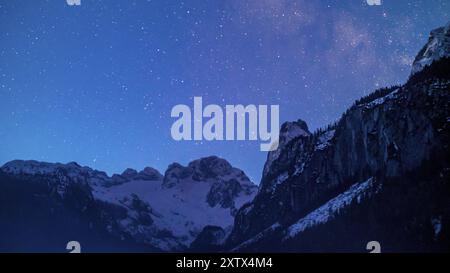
x=379, y=173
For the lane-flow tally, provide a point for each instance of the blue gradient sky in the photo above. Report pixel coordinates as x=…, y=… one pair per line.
x=96, y=83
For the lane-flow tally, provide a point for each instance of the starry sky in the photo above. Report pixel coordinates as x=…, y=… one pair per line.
x=96, y=83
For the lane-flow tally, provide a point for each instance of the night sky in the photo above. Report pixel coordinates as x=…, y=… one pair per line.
x=96, y=83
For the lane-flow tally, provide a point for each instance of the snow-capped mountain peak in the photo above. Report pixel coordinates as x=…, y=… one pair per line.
x=168, y=211
x=151, y=173
x=288, y=132
x=31, y=167
x=291, y=130
x=72, y=170
x=207, y=191
x=438, y=47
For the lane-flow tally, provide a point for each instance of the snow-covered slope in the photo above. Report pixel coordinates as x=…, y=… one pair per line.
x=164, y=211
x=321, y=215
x=438, y=47
x=327, y=211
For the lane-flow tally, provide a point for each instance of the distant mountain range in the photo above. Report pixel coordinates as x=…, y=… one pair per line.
x=145, y=210
x=380, y=173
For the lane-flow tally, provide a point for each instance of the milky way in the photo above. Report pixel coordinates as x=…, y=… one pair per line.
x=96, y=83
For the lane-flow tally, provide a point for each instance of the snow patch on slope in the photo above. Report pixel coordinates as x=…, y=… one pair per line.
x=182, y=210
x=324, y=140
x=327, y=211
x=382, y=100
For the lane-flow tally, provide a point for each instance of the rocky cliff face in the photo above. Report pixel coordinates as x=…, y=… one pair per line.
x=145, y=209
x=438, y=47
x=385, y=136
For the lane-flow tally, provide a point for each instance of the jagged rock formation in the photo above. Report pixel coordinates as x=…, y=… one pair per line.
x=438, y=47
x=210, y=239
x=144, y=209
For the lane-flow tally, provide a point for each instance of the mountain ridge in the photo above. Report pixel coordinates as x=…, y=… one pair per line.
x=156, y=210
x=385, y=136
